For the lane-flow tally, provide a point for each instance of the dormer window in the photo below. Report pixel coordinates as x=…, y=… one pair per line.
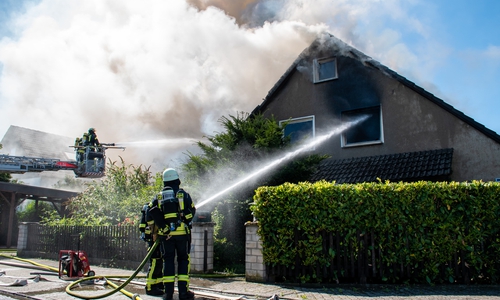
x=325, y=69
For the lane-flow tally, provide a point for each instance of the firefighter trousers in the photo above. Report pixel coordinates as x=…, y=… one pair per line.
x=176, y=245
x=154, y=279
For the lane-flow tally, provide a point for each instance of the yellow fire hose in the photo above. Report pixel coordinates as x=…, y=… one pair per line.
x=125, y=292
x=31, y=262
x=115, y=287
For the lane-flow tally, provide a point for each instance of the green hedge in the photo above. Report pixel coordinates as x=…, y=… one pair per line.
x=423, y=225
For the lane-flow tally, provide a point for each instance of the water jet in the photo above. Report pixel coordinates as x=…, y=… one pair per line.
x=163, y=142
x=266, y=167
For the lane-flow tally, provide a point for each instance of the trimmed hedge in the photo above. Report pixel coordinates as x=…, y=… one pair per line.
x=428, y=227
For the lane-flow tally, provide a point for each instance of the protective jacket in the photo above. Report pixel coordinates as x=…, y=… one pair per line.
x=147, y=226
x=93, y=140
x=172, y=211
x=85, y=139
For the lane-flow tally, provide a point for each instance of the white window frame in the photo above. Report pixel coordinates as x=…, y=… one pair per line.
x=343, y=141
x=301, y=120
x=316, y=67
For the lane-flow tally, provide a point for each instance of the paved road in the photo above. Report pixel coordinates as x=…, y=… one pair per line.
x=50, y=287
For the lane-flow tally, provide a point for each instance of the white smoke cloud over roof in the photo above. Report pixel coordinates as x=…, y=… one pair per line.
x=155, y=69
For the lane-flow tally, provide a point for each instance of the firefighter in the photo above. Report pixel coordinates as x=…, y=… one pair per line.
x=79, y=150
x=93, y=140
x=173, y=216
x=149, y=233
x=85, y=139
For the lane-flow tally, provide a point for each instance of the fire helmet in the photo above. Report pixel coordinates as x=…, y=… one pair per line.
x=170, y=174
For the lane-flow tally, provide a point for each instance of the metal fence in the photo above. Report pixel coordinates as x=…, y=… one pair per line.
x=112, y=246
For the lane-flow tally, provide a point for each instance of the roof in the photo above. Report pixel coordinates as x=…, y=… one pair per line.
x=36, y=193
x=409, y=166
x=20, y=141
x=369, y=62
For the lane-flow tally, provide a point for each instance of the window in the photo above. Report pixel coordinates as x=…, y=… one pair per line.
x=367, y=132
x=325, y=69
x=299, y=129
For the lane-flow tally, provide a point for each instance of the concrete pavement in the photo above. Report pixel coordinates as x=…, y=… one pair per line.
x=51, y=287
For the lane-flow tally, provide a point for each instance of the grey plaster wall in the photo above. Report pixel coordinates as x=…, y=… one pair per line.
x=411, y=122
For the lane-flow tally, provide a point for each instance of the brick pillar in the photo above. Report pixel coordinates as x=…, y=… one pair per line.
x=255, y=269
x=202, y=247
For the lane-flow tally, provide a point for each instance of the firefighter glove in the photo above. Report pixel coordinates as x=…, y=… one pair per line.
x=163, y=232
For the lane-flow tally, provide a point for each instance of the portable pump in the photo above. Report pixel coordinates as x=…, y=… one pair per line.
x=74, y=264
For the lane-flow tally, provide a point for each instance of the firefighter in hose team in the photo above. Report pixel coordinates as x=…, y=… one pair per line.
x=173, y=216
x=149, y=233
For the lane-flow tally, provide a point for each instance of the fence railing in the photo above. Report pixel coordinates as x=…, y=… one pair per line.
x=114, y=246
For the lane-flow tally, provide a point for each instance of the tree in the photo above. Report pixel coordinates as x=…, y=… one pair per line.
x=5, y=177
x=32, y=211
x=115, y=200
x=248, y=144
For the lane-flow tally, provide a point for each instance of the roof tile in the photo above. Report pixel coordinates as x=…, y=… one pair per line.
x=408, y=166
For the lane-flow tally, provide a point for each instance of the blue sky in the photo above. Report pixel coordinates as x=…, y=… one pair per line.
x=470, y=73
x=73, y=64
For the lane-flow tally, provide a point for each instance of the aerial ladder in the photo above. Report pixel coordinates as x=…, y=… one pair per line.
x=90, y=162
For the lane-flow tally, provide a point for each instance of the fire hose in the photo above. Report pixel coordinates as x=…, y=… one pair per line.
x=110, y=283
x=115, y=287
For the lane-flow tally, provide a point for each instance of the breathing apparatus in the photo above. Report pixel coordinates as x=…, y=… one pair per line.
x=147, y=226
x=172, y=206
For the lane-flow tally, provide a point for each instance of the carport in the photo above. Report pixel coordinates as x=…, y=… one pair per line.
x=12, y=195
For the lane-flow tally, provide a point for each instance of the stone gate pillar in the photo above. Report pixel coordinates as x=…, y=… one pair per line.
x=202, y=247
x=255, y=269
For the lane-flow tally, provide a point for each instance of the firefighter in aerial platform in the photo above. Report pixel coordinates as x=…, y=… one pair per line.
x=173, y=216
x=149, y=233
x=80, y=151
x=93, y=141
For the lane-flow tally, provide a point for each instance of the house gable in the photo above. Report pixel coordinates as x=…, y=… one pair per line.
x=411, y=119
x=20, y=141
x=369, y=62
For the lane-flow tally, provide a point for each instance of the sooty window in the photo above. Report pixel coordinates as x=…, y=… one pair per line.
x=299, y=129
x=366, y=128
x=325, y=69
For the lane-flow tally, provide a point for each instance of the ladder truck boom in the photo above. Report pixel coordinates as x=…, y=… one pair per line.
x=90, y=162
x=23, y=164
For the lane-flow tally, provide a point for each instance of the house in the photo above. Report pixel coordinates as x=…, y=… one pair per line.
x=20, y=141
x=403, y=133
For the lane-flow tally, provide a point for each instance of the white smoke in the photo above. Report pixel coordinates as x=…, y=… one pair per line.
x=154, y=69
